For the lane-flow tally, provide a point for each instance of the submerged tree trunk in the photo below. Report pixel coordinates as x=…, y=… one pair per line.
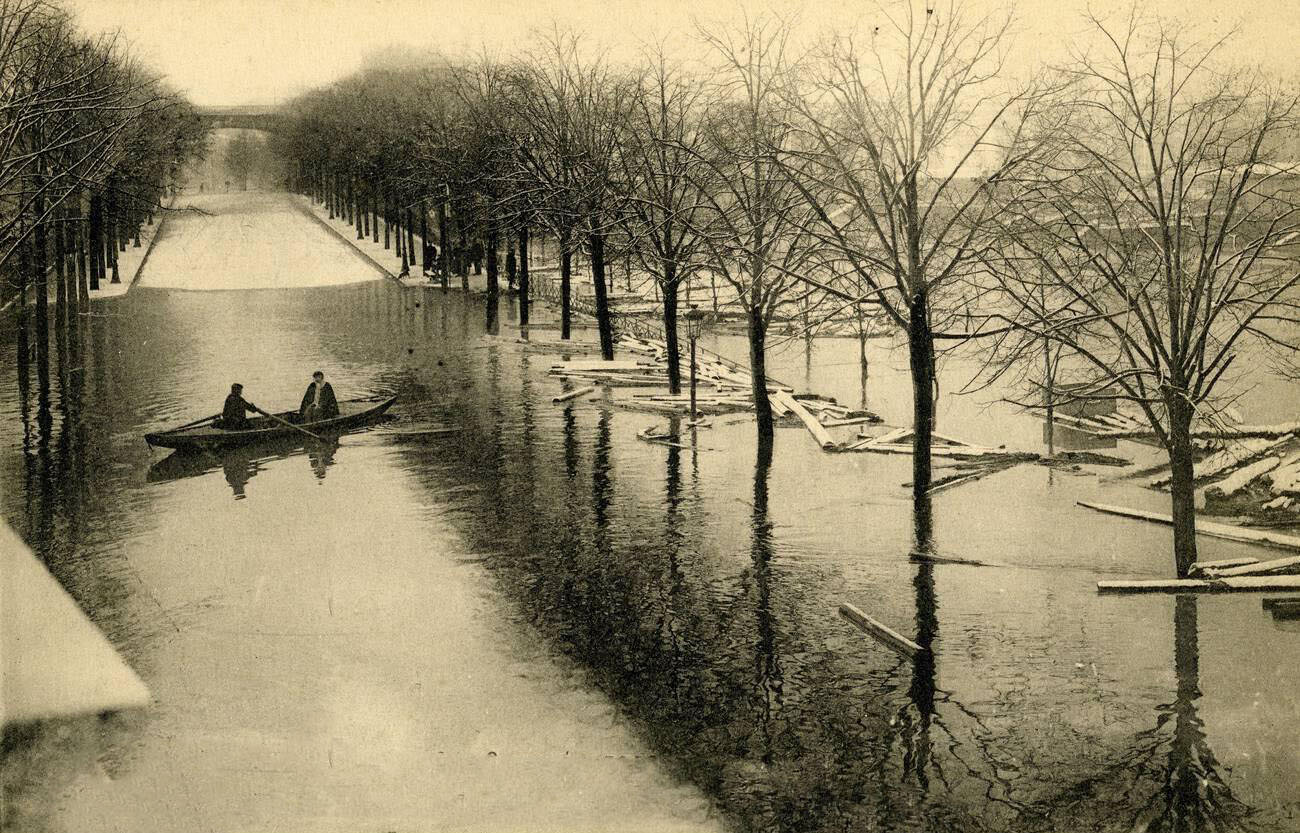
x=920, y=342
x=523, y=275
x=758, y=374
x=1182, y=487
x=40, y=274
x=442, y=241
x=425, y=261
x=94, y=249
x=410, y=236
x=566, y=284
x=492, y=243
x=670, y=327
x=110, y=238
x=597, y=243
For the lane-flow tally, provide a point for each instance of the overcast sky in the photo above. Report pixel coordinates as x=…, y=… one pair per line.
x=223, y=52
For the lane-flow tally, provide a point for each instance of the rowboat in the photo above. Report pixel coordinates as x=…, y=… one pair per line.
x=352, y=414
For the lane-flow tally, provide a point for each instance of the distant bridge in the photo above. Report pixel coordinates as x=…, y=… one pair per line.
x=248, y=117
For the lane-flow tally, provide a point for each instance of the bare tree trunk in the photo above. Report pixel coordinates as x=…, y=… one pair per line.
x=40, y=270
x=60, y=283
x=111, y=230
x=22, y=340
x=596, y=240
x=442, y=241
x=920, y=341
x=410, y=236
x=403, y=250
x=462, y=256
x=758, y=374
x=93, y=242
x=492, y=243
x=523, y=274
x=1182, y=487
x=388, y=224
x=425, y=262
x=670, y=327
x=566, y=283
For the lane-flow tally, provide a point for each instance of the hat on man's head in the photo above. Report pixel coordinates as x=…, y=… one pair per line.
x=236, y=387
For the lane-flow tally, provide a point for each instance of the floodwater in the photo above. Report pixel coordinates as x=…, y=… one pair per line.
x=666, y=617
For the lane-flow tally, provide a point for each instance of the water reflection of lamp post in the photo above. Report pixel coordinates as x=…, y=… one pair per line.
x=694, y=323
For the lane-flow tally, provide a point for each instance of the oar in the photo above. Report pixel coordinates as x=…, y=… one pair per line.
x=196, y=422
x=290, y=424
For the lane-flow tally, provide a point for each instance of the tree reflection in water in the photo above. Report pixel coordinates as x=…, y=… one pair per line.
x=1167, y=779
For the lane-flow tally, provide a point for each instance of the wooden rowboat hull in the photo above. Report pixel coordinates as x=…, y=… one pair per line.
x=352, y=414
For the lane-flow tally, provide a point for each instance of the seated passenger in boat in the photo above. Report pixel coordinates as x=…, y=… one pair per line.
x=233, y=416
x=318, y=402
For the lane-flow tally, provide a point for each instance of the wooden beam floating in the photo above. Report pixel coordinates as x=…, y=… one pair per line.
x=887, y=636
x=1240, y=584
x=1213, y=530
x=1277, y=565
x=573, y=394
x=810, y=422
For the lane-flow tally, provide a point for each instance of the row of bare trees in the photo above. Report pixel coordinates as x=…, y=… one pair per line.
x=89, y=143
x=1130, y=214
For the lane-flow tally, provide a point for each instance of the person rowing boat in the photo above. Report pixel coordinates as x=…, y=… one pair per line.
x=233, y=414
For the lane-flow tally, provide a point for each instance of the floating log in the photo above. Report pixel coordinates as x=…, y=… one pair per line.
x=1223, y=564
x=840, y=423
x=810, y=422
x=887, y=636
x=1284, y=602
x=573, y=394
x=1213, y=530
x=1240, y=584
x=599, y=365
x=1260, y=568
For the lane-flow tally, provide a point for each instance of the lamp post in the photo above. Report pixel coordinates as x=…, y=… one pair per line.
x=694, y=319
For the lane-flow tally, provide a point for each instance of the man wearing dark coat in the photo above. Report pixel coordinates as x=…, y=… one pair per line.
x=318, y=402
x=232, y=414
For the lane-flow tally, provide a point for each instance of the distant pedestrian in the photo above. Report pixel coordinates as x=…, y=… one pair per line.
x=511, y=269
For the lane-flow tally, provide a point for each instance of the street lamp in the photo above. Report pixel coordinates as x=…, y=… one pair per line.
x=694, y=320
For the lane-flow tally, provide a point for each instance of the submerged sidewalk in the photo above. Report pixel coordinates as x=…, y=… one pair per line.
x=324, y=653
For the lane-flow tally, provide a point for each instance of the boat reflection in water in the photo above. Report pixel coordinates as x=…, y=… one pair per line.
x=241, y=464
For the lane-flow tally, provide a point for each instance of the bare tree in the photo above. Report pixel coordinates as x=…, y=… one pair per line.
x=666, y=180
x=571, y=108
x=1157, y=243
x=906, y=134
x=756, y=218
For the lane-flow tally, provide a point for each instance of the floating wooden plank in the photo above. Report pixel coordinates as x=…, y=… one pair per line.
x=887, y=636
x=1213, y=530
x=1224, y=563
x=599, y=364
x=1240, y=584
x=1260, y=568
x=840, y=423
x=573, y=394
x=810, y=422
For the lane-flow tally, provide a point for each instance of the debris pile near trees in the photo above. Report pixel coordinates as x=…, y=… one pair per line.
x=1246, y=471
